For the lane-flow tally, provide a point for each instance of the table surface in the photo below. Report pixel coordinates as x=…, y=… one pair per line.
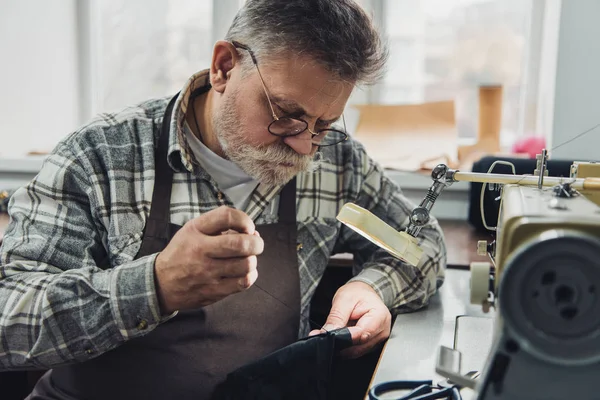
x=411, y=351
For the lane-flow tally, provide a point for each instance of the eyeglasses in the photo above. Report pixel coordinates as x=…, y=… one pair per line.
x=287, y=126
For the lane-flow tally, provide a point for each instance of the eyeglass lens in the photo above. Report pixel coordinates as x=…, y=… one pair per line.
x=291, y=127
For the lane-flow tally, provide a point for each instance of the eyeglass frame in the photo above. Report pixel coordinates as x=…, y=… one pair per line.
x=237, y=44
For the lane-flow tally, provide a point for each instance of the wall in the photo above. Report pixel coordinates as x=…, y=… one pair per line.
x=577, y=84
x=39, y=70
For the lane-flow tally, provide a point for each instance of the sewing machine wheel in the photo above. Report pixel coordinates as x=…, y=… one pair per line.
x=549, y=298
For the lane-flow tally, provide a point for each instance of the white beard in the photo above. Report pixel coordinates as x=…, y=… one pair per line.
x=262, y=163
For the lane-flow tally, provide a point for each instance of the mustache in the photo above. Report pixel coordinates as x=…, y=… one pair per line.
x=279, y=152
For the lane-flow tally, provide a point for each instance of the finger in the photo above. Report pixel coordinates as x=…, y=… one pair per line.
x=233, y=245
x=223, y=268
x=222, y=219
x=361, y=349
x=248, y=280
x=359, y=335
x=339, y=315
x=227, y=286
x=326, y=329
x=370, y=325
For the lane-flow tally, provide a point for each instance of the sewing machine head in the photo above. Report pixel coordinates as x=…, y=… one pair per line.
x=546, y=288
x=541, y=222
x=543, y=278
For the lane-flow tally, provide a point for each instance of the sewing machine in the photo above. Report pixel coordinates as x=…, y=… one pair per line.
x=543, y=278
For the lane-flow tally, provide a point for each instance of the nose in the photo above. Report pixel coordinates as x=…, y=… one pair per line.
x=301, y=144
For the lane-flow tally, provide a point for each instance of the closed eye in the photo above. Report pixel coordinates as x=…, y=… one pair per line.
x=288, y=114
x=321, y=126
x=299, y=114
x=326, y=124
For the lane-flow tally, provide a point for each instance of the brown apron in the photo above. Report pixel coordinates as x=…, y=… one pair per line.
x=187, y=356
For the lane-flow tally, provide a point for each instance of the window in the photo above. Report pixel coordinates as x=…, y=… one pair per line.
x=445, y=49
x=149, y=48
x=38, y=75
x=76, y=58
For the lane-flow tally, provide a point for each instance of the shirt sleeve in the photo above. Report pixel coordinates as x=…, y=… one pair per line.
x=60, y=302
x=402, y=287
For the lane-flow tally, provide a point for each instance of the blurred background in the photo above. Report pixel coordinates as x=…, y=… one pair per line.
x=66, y=60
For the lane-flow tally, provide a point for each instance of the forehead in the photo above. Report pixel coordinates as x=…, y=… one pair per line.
x=306, y=82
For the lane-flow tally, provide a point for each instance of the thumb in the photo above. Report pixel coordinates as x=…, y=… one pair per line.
x=338, y=317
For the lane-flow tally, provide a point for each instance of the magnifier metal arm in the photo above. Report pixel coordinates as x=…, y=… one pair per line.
x=442, y=178
x=401, y=244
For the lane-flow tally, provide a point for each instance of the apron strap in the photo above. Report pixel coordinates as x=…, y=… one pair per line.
x=287, y=203
x=163, y=180
x=158, y=230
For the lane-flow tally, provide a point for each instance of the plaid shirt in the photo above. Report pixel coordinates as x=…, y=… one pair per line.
x=70, y=288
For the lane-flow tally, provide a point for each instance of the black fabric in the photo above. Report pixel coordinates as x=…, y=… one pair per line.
x=158, y=231
x=351, y=377
x=491, y=206
x=302, y=370
x=13, y=385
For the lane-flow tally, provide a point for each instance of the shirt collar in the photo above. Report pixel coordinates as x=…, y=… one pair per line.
x=180, y=155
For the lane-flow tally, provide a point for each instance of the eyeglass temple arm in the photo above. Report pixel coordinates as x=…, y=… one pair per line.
x=267, y=93
x=262, y=82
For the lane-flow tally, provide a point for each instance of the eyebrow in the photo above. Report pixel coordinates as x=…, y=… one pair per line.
x=291, y=107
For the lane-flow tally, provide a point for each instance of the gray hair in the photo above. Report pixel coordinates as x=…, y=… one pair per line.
x=338, y=34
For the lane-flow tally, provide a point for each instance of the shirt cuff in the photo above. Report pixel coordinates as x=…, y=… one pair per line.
x=379, y=279
x=133, y=298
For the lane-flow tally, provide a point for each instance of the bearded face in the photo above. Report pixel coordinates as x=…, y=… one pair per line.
x=248, y=101
x=270, y=164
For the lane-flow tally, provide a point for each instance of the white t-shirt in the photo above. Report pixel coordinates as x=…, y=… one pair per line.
x=235, y=183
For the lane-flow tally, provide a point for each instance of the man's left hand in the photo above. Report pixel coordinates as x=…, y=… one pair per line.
x=357, y=306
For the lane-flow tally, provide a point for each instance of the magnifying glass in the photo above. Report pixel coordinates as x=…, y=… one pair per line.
x=399, y=244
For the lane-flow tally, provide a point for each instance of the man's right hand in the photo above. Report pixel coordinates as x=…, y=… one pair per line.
x=209, y=258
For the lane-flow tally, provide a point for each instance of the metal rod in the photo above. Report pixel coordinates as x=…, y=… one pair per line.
x=542, y=168
x=580, y=183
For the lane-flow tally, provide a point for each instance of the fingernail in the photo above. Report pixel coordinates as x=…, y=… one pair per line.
x=365, y=338
x=243, y=283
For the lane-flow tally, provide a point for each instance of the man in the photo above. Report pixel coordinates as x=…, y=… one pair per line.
x=164, y=246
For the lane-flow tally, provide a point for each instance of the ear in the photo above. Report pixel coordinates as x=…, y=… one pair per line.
x=224, y=59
